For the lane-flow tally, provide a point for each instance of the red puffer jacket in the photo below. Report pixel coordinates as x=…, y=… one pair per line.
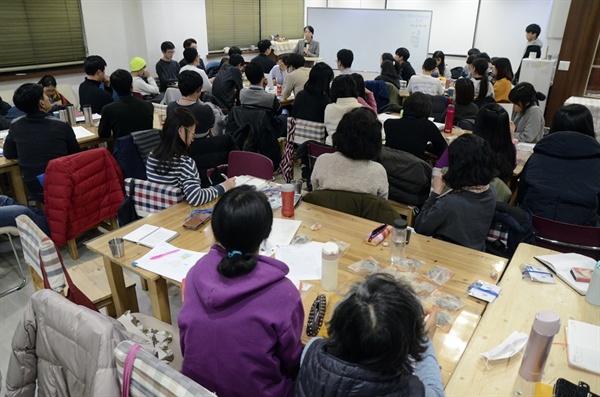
x=80, y=191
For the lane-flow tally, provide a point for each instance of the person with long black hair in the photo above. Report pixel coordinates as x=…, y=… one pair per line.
x=483, y=87
x=241, y=321
x=528, y=116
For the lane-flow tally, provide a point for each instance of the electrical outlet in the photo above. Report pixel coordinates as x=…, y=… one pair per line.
x=564, y=65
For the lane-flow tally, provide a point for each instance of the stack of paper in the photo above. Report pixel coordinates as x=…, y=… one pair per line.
x=169, y=261
x=247, y=180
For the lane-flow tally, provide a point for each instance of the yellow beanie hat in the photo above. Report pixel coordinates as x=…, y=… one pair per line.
x=137, y=63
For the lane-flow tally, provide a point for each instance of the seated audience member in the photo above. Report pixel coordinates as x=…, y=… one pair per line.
x=527, y=115
x=238, y=299
x=388, y=74
x=128, y=114
x=344, y=61
x=10, y=210
x=504, y=75
x=193, y=60
x=493, y=125
x=278, y=72
x=464, y=213
x=37, y=138
x=255, y=95
x=483, y=87
x=190, y=86
x=343, y=99
x=365, y=97
x=228, y=83
x=560, y=181
x=232, y=50
x=307, y=47
x=464, y=108
x=378, y=345
x=310, y=103
x=297, y=76
x=351, y=168
x=490, y=67
x=166, y=68
x=90, y=91
x=169, y=164
x=466, y=73
x=406, y=69
x=262, y=59
x=143, y=83
x=56, y=98
x=413, y=132
x=425, y=83
x=191, y=43
x=386, y=56
x=442, y=68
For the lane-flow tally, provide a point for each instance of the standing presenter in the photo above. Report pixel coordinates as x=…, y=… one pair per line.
x=307, y=47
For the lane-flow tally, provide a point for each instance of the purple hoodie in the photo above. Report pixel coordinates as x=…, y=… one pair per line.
x=241, y=336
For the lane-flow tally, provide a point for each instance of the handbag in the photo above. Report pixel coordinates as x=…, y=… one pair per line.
x=74, y=294
x=126, y=212
x=128, y=369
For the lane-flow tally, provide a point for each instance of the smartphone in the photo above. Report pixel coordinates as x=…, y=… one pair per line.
x=196, y=221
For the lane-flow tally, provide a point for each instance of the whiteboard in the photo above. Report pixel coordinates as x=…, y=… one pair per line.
x=369, y=33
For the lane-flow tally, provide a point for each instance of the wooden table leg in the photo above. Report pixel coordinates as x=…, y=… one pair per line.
x=114, y=273
x=18, y=186
x=159, y=298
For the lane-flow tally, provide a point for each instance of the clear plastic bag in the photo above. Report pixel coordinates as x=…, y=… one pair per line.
x=366, y=266
x=445, y=301
x=410, y=264
x=439, y=275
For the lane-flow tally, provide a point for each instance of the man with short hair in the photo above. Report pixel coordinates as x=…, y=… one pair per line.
x=143, y=82
x=425, y=83
x=534, y=45
x=190, y=86
x=91, y=91
x=192, y=58
x=191, y=43
x=255, y=95
x=297, y=75
x=228, y=83
x=344, y=61
x=406, y=70
x=166, y=68
x=262, y=59
x=128, y=114
x=38, y=137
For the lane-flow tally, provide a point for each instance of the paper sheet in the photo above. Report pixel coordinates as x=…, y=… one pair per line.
x=303, y=260
x=174, y=266
x=81, y=132
x=282, y=233
x=81, y=119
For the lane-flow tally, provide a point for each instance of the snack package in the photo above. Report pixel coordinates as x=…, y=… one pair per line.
x=343, y=246
x=410, y=264
x=300, y=239
x=439, y=275
x=444, y=320
x=376, y=236
x=538, y=273
x=423, y=288
x=445, y=301
x=407, y=277
x=366, y=266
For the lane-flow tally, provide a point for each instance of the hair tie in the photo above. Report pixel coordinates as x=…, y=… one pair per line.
x=231, y=254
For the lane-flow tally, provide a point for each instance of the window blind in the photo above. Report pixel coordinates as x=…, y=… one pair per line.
x=243, y=23
x=36, y=34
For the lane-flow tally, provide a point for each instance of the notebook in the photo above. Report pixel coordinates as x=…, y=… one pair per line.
x=583, y=346
x=258, y=183
x=562, y=264
x=150, y=236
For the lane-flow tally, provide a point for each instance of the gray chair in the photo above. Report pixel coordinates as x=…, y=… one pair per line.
x=10, y=232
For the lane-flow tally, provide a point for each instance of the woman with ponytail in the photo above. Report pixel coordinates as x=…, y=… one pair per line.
x=241, y=322
x=481, y=82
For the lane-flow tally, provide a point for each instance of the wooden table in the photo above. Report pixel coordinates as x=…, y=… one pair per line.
x=11, y=167
x=468, y=266
x=514, y=310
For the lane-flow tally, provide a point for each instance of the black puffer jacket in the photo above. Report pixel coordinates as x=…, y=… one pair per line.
x=409, y=176
x=322, y=374
x=561, y=180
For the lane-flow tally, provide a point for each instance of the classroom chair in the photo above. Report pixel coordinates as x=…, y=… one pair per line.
x=439, y=103
x=10, y=232
x=566, y=237
x=89, y=277
x=249, y=163
x=148, y=376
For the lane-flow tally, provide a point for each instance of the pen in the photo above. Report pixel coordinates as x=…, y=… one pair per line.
x=161, y=255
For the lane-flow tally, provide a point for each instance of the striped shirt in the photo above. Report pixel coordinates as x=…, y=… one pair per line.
x=184, y=175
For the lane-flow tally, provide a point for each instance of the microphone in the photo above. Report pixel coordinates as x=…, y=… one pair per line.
x=305, y=44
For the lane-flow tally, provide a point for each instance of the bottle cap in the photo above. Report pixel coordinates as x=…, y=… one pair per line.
x=330, y=248
x=400, y=223
x=287, y=187
x=546, y=323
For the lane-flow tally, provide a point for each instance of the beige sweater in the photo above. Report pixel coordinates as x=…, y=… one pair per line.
x=334, y=171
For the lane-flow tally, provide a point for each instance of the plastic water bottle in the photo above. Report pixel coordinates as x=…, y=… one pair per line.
x=330, y=254
x=399, y=240
x=449, y=117
x=545, y=326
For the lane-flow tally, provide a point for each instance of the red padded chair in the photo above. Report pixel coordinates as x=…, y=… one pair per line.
x=316, y=149
x=566, y=237
x=249, y=163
